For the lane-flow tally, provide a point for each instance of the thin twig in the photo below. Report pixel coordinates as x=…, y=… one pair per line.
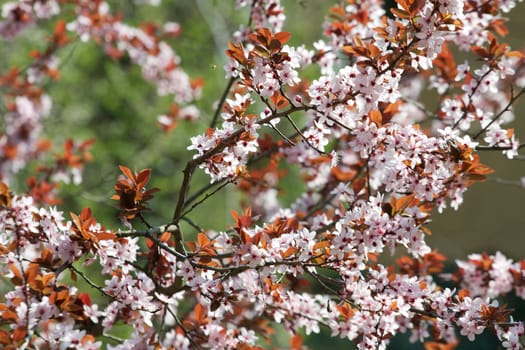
x=497, y=148
x=470, y=95
x=304, y=137
x=208, y=195
x=283, y=136
x=195, y=162
x=221, y=102
x=507, y=107
x=192, y=224
x=89, y=281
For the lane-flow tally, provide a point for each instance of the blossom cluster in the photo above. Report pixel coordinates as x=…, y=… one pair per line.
x=28, y=104
x=372, y=159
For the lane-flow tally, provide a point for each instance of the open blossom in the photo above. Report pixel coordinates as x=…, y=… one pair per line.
x=23, y=128
x=510, y=336
x=158, y=61
x=362, y=157
x=17, y=16
x=265, y=13
x=232, y=160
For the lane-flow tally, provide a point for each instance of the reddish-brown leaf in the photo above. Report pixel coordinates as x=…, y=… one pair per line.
x=4, y=337
x=9, y=315
x=165, y=237
x=345, y=310
x=296, y=342
x=415, y=6
x=205, y=245
x=5, y=195
x=404, y=5
x=289, y=252
x=85, y=298
x=73, y=275
x=143, y=178
x=279, y=100
x=236, y=52
x=401, y=14
x=517, y=54
x=321, y=245
x=274, y=45
x=19, y=334
x=60, y=27
x=283, y=37
x=17, y=278
x=200, y=314
x=376, y=117
x=400, y=204
x=127, y=172
x=431, y=345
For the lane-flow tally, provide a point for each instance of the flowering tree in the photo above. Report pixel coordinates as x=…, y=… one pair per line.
x=374, y=160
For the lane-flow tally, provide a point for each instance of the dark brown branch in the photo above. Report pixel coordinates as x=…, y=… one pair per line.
x=195, y=162
x=252, y=160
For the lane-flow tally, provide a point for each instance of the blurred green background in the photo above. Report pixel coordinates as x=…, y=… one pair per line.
x=99, y=98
